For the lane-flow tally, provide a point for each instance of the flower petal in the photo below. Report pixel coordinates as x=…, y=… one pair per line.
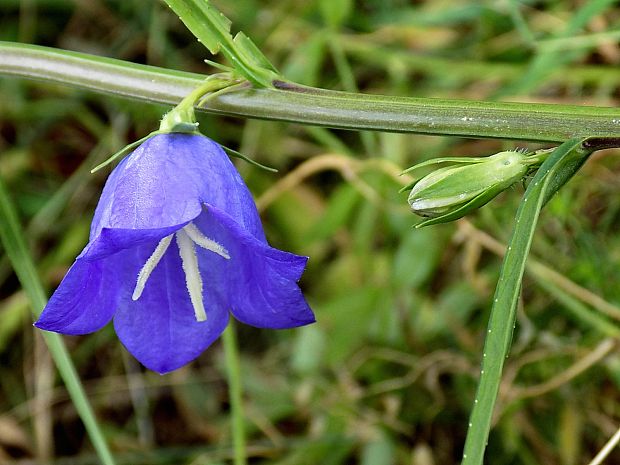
x=160, y=328
x=260, y=282
x=88, y=295
x=165, y=182
x=111, y=241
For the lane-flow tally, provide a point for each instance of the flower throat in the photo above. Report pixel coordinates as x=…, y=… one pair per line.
x=186, y=239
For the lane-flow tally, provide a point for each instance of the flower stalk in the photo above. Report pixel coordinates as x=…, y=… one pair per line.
x=182, y=118
x=235, y=394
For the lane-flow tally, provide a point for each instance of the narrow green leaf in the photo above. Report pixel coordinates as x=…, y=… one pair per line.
x=251, y=52
x=212, y=29
x=210, y=33
x=553, y=174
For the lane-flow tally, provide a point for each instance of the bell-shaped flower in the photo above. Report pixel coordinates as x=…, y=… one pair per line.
x=176, y=244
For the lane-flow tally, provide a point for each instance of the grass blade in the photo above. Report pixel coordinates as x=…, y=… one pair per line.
x=15, y=247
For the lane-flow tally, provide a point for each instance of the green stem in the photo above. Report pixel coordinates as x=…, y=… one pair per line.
x=229, y=340
x=15, y=247
x=182, y=118
x=306, y=105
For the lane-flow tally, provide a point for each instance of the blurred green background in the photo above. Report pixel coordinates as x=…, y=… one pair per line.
x=387, y=374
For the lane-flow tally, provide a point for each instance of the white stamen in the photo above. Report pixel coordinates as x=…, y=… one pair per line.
x=186, y=238
x=150, y=265
x=203, y=241
x=193, y=279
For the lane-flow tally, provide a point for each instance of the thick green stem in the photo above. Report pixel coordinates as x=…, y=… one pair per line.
x=15, y=247
x=294, y=103
x=231, y=352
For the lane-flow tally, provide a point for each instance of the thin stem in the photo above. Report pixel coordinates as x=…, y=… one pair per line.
x=210, y=85
x=307, y=105
x=12, y=239
x=604, y=452
x=182, y=118
x=231, y=352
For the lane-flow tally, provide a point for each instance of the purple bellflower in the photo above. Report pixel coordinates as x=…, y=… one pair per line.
x=176, y=244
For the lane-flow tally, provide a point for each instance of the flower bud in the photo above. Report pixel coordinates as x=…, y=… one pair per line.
x=451, y=192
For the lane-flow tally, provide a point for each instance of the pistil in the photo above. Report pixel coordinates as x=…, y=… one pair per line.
x=193, y=280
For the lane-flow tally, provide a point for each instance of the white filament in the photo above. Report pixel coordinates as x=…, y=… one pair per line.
x=193, y=280
x=150, y=265
x=203, y=241
x=186, y=238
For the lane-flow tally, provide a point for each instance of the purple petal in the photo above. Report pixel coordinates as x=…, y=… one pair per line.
x=88, y=295
x=165, y=182
x=260, y=282
x=111, y=241
x=160, y=328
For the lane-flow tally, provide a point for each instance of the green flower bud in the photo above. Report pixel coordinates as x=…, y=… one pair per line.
x=451, y=192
